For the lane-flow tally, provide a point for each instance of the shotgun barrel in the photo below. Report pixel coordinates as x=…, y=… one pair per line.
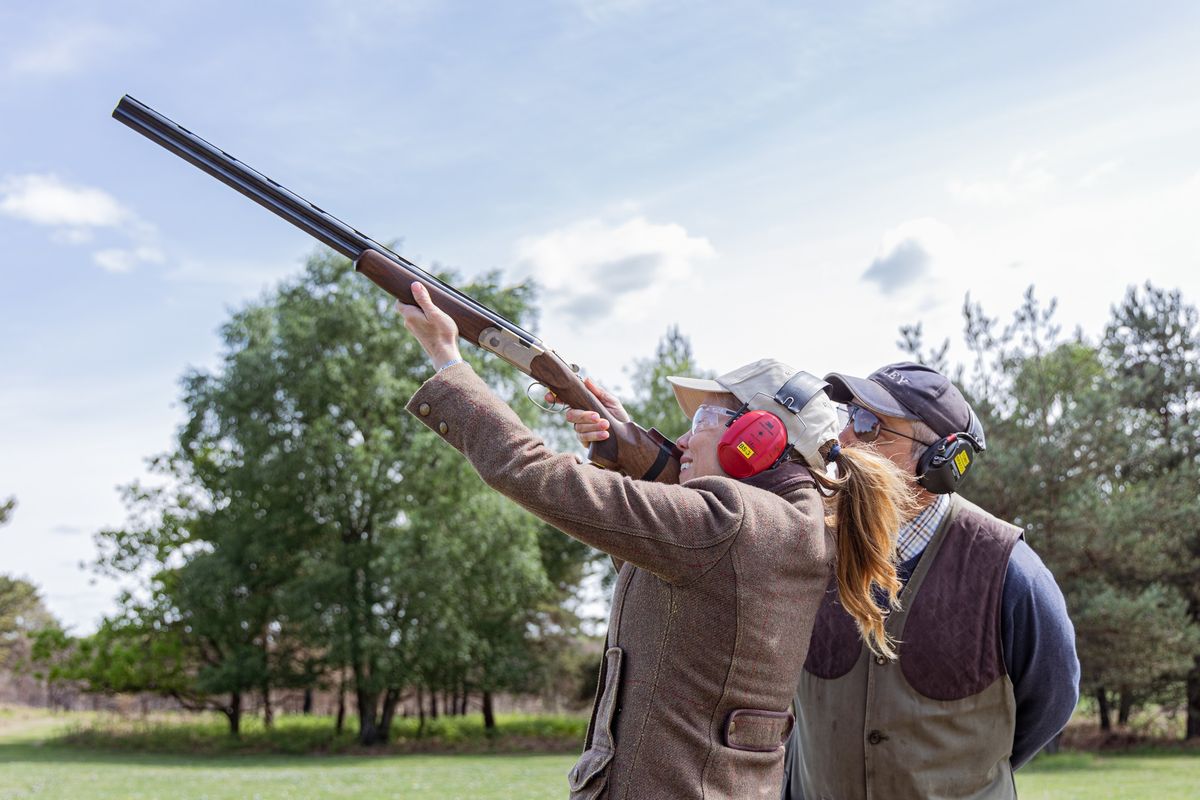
x=280, y=200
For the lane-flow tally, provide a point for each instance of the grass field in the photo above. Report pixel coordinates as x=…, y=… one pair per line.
x=294, y=734
x=1076, y=776
x=32, y=766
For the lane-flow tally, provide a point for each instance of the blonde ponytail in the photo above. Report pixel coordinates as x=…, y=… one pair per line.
x=873, y=497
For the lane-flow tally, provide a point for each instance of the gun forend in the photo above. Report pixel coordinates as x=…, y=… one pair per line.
x=630, y=448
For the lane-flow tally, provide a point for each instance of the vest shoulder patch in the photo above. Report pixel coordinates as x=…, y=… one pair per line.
x=835, y=645
x=950, y=646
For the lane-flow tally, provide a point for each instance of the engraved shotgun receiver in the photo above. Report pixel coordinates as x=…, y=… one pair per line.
x=639, y=453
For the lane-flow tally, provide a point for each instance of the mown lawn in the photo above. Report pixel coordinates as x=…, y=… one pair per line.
x=27, y=770
x=34, y=764
x=1087, y=776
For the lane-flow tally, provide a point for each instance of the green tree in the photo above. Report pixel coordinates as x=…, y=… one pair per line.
x=1152, y=349
x=481, y=611
x=22, y=614
x=653, y=404
x=6, y=509
x=144, y=647
x=209, y=595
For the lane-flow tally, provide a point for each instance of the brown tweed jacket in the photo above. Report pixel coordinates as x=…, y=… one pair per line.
x=712, y=610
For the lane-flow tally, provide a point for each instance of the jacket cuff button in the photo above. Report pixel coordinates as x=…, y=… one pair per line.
x=443, y=428
x=424, y=409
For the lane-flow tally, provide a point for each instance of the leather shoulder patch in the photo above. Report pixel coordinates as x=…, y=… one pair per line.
x=835, y=646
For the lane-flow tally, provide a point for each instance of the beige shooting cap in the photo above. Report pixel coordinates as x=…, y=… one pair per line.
x=798, y=398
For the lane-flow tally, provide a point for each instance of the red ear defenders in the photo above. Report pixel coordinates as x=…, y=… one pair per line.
x=945, y=463
x=756, y=441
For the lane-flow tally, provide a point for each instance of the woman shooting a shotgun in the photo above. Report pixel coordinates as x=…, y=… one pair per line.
x=720, y=576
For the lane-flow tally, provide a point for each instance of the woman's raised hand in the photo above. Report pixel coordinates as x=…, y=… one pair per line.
x=433, y=328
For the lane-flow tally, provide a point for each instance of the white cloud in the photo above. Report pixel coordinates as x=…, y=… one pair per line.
x=907, y=254
x=592, y=268
x=76, y=213
x=47, y=200
x=1027, y=176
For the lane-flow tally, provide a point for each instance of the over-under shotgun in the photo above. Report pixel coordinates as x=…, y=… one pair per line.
x=637, y=452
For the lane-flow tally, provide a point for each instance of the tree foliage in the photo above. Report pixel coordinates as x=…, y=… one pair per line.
x=22, y=614
x=653, y=404
x=1152, y=350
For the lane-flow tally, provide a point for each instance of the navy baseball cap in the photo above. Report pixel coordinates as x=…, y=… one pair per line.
x=908, y=391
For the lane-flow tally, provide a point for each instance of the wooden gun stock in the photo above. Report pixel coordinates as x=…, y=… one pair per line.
x=631, y=449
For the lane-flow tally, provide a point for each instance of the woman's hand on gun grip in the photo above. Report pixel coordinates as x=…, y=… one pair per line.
x=433, y=328
x=590, y=426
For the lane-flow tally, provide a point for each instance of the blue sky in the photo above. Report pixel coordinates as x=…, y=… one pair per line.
x=781, y=179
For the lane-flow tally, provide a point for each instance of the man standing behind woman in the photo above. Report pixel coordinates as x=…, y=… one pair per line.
x=987, y=672
x=720, y=577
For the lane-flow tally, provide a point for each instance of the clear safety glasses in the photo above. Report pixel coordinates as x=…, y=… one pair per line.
x=708, y=416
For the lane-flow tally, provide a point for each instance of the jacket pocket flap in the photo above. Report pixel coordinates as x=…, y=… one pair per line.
x=589, y=765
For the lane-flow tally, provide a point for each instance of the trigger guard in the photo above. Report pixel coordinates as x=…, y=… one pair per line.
x=553, y=408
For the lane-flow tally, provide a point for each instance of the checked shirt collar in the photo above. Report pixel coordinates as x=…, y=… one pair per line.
x=915, y=534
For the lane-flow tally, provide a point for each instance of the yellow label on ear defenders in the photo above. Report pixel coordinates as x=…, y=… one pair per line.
x=962, y=461
x=744, y=449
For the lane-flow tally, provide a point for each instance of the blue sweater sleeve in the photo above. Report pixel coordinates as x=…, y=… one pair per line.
x=1039, y=653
